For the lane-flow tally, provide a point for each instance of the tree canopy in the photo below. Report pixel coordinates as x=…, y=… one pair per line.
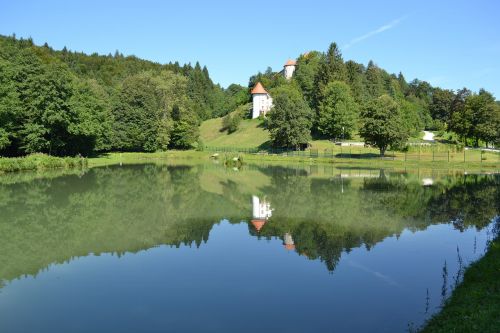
x=383, y=124
x=68, y=103
x=290, y=119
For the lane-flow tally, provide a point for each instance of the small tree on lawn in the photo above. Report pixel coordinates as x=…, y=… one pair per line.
x=383, y=124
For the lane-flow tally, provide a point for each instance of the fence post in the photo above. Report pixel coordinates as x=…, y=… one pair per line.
x=464, y=154
x=433, y=155
x=481, y=156
x=448, y=156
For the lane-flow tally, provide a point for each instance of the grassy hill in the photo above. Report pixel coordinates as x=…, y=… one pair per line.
x=250, y=134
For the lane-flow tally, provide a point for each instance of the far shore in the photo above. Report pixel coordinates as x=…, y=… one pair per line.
x=45, y=162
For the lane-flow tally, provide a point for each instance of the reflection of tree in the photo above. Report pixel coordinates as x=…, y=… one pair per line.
x=471, y=200
x=325, y=221
x=113, y=210
x=127, y=209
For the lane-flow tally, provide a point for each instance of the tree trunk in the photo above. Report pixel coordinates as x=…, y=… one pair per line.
x=382, y=151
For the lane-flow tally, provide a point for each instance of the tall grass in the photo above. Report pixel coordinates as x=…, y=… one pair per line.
x=40, y=162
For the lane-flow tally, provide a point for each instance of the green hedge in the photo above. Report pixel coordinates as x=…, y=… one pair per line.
x=40, y=162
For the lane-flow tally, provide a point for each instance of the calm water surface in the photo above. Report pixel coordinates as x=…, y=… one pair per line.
x=202, y=248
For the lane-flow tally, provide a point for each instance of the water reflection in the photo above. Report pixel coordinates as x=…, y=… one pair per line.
x=117, y=210
x=323, y=214
x=261, y=212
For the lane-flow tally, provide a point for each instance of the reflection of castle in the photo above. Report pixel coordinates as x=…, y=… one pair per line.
x=261, y=212
x=288, y=242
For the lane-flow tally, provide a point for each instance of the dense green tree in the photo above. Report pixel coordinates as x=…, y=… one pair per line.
x=357, y=81
x=289, y=121
x=382, y=124
x=234, y=96
x=65, y=102
x=412, y=116
x=422, y=90
x=338, y=111
x=375, y=82
x=138, y=113
x=403, y=84
x=50, y=124
x=308, y=66
x=91, y=104
x=332, y=68
x=269, y=79
x=185, y=130
x=478, y=118
x=440, y=106
x=10, y=106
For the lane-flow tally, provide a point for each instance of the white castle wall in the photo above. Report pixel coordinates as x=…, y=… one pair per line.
x=262, y=104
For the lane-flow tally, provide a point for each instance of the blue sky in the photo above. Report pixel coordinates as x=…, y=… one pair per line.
x=448, y=43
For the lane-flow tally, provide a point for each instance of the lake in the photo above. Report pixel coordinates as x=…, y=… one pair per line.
x=204, y=248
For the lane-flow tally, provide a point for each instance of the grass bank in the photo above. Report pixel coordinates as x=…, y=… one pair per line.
x=45, y=162
x=475, y=304
x=40, y=162
x=179, y=157
x=174, y=156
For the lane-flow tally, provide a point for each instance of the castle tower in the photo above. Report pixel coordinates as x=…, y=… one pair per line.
x=289, y=68
x=262, y=101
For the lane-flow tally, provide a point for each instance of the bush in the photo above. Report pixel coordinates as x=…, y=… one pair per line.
x=231, y=123
x=39, y=162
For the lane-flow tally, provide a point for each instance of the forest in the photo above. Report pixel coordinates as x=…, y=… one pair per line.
x=345, y=97
x=67, y=103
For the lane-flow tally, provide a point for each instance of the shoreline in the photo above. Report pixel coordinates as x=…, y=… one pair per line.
x=37, y=162
x=473, y=305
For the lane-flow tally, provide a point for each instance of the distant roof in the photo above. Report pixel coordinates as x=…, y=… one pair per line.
x=258, y=89
x=290, y=62
x=289, y=247
x=258, y=224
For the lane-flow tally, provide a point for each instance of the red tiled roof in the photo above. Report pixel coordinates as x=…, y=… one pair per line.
x=258, y=89
x=290, y=62
x=258, y=224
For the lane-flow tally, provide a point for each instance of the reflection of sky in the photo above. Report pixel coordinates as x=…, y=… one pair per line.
x=233, y=279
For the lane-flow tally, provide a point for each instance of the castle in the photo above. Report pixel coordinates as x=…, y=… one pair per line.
x=262, y=101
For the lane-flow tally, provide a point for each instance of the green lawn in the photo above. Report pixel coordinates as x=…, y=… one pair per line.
x=475, y=304
x=250, y=134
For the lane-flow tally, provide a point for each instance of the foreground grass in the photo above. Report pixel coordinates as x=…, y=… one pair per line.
x=475, y=304
x=40, y=162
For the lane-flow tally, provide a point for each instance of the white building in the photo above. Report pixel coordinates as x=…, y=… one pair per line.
x=261, y=209
x=262, y=101
x=289, y=68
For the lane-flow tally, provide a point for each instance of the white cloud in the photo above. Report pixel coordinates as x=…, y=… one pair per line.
x=374, y=32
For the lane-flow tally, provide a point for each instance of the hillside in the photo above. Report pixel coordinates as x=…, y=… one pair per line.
x=250, y=134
